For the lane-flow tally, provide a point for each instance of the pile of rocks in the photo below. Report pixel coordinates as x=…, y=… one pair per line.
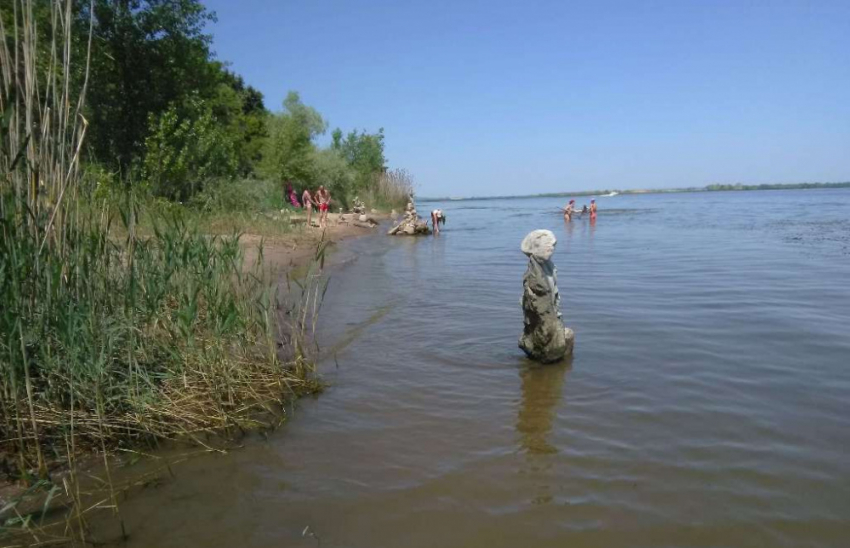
x=358, y=215
x=411, y=224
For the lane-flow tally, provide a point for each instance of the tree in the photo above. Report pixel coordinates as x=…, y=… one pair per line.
x=186, y=148
x=146, y=56
x=289, y=151
x=364, y=152
x=331, y=169
x=241, y=108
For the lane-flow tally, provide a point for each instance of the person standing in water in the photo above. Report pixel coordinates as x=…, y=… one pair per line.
x=592, y=210
x=437, y=218
x=307, y=200
x=324, y=202
x=568, y=212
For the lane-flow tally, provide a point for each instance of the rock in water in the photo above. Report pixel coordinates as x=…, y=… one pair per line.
x=544, y=338
x=411, y=225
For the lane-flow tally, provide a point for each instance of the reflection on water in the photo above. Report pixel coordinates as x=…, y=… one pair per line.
x=542, y=391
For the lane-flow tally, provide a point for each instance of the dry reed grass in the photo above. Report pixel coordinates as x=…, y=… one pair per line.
x=391, y=189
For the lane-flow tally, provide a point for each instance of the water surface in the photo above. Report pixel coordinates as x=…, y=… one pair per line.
x=706, y=404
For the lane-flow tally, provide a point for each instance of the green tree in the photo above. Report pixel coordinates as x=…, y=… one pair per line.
x=364, y=152
x=187, y=147
x=146, y=56
x=332, y=170
x=241, y=107
x=289, y=150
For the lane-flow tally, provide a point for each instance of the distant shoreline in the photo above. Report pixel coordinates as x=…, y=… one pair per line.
x=614, y=192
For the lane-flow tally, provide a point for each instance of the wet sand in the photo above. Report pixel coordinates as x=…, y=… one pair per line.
x=282, y=253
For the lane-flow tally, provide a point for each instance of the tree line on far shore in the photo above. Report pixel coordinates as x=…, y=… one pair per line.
x=709, y=188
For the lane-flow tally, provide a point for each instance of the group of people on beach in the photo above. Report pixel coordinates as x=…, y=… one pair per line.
x=321, y=200
x=570, y=210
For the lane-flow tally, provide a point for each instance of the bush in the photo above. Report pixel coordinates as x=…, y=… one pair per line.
x=331, y=170
x=243, y=195
x=186, y=149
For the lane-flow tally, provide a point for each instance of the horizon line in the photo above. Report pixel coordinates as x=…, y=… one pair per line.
x=738, y=187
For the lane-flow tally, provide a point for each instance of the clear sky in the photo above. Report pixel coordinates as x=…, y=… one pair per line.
x=495, y=97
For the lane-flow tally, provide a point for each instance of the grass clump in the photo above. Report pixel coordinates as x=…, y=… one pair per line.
x=117, y=342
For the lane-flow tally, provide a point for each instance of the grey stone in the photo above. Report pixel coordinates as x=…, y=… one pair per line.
x=411, y=224
x=540, y=244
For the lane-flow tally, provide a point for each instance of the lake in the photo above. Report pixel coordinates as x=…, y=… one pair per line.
x=707, y=403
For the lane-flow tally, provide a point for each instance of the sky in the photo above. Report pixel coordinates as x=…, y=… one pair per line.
x=481, y=98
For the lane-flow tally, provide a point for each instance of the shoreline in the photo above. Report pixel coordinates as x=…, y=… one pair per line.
x=283, y=254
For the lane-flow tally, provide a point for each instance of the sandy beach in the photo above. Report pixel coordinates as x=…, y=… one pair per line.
x=283, y=253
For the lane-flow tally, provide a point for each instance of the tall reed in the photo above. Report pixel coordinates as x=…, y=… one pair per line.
x=43, y=131
x=391, y=189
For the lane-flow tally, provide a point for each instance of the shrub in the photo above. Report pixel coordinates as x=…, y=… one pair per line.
x=186, y=149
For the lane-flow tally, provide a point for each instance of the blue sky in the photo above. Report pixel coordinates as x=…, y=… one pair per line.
x=493, y=97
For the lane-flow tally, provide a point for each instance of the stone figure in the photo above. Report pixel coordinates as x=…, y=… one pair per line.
x=544, y=338
x=410, y=224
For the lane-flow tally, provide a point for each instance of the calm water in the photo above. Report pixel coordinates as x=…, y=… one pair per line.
x=708, y=402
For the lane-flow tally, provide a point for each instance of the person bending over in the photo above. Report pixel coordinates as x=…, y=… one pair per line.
x=437, y=218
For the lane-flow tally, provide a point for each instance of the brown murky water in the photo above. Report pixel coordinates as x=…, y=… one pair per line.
x=707, y=403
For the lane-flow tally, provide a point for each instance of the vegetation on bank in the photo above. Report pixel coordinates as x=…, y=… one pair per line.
x=168, y=119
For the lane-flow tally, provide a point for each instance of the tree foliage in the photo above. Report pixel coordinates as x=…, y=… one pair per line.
x=332, y=170
x=146, y=56
x=186, y=148
x=164, y=111
x=289, y=151
x=364, y=152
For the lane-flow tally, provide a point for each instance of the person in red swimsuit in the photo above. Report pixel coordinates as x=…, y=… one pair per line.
x=323, y=197
x=592, y=210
